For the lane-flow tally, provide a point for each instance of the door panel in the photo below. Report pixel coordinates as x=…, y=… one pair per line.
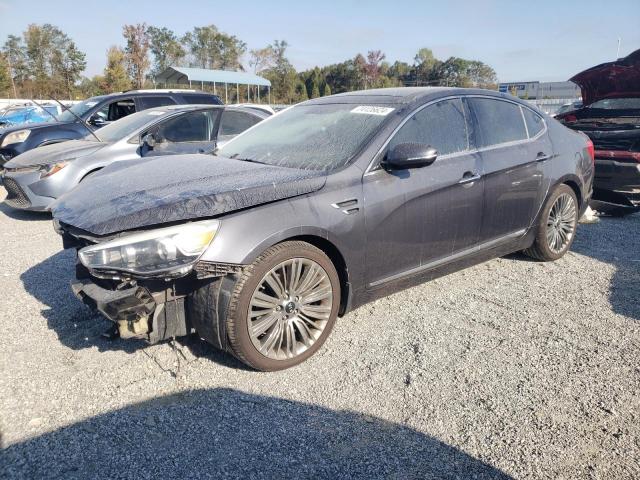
x=416, y=216
x=513, y=175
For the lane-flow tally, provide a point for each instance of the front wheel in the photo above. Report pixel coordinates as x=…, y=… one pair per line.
x=556, y=228
x=283, y=307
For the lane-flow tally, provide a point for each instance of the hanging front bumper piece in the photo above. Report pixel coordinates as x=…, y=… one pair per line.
x=137, y=311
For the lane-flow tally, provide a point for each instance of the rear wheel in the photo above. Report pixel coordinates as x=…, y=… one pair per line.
x=556, y=229
x=283, y=307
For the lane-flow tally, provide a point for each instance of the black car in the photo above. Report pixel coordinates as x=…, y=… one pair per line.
x=319, y=209
x=610, y=116
x=96, y=112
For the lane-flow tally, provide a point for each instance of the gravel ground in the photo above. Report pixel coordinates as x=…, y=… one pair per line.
x=509, y=369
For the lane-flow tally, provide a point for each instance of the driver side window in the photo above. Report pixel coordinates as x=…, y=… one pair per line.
x=441, y=125
x=115, y=110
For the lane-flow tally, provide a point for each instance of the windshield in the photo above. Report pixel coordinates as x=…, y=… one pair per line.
x=79, y=109
x=617, y=104
x=312, y=137
x=126, y=126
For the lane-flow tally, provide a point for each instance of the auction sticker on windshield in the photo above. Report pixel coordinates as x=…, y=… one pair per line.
x=372, y=110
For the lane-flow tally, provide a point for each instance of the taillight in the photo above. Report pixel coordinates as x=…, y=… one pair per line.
x=591, y=150
x=569, y=119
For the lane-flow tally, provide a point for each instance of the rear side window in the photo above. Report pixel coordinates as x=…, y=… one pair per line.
x=188, y=127
x=441, y=125
x=197, y=99
x=155, y=101
x=497, y=121
x=534, y=122
x=234, y=123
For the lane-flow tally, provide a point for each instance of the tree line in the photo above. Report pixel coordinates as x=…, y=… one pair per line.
x=45, y=62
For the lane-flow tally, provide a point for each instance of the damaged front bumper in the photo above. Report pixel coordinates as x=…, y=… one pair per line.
x=616, y=187
x=138, y=311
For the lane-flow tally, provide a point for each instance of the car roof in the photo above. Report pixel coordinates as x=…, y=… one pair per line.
x=403, y=95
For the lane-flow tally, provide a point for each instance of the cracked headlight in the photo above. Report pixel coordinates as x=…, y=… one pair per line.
x=171, y=251
x=15, y=137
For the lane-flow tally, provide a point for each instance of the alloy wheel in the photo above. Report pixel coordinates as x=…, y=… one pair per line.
x=561, y=223
x=290, y=308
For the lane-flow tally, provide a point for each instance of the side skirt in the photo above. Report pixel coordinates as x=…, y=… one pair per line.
x=439, y=268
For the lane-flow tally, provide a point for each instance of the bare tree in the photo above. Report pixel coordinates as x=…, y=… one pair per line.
x=137, y=51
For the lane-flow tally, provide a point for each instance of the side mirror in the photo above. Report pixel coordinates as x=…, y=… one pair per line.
x=410, y=155
x=97, y=121
x=149, y=140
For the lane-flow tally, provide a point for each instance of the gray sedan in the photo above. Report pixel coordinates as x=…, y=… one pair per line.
x=36, y=178
x=322, y=208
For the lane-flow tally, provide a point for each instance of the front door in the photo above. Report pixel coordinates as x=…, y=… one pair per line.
x=416, y=217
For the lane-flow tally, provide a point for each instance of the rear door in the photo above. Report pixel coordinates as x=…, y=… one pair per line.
x=419, y=216
x=513, y=165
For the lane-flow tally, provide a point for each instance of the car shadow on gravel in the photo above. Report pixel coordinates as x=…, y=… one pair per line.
x=78, y=327
x=224, y=433
x=615, y=241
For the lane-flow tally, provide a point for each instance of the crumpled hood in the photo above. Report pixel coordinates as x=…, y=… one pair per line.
x=620, y=78
x=56, y=152
x=161, y=190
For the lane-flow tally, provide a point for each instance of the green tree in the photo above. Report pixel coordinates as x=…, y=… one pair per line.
x=116, y=78
x=5, y=76
x=315, y=91
x=15, y=56
x=136, y=52
x=282, y=75
x=301, y=92
x=327, y=90
x=210, y=48
x=166, y=49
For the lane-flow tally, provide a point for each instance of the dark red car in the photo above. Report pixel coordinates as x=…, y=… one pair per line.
x=610, y=116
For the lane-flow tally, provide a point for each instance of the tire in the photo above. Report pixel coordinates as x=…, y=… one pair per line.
x=560, y=214
x=301, y=326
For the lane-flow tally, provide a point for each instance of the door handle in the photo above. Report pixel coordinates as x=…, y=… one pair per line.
x=469, y=177
x=541, y=157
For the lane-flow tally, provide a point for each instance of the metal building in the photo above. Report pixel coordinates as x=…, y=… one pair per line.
x=173, y=76
x=541, y=90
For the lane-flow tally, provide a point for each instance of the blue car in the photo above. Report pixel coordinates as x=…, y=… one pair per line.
x=29, y=114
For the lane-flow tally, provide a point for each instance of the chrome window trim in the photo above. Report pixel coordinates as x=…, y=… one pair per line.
x=374, y=165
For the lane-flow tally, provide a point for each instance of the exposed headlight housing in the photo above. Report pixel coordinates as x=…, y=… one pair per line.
x=48, y=170
x=170, y=251
x=15, y=137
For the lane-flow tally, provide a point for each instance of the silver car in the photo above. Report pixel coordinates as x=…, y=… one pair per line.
x=34, y=179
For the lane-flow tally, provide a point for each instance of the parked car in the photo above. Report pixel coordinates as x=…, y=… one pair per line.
x=28, y=114
x=96, y=112
x=320, y=209
x=34, y=179
x=611, y=118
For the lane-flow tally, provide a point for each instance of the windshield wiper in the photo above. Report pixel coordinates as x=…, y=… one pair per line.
x=251, y=160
